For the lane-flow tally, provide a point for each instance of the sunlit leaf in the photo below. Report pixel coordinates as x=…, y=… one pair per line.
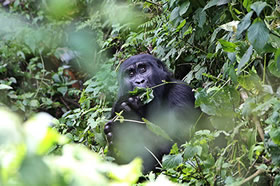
x=129, y=173
x=5, y=87
x=250, y=81
x=228, y=46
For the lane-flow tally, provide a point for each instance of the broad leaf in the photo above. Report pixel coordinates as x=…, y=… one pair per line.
x=156, y=129
x=202, y=19
x=174, y=14
x=210, y=4
x=184, y=8
x=228, y=46
x=230, y=26
x=258, y=34
x=274, y=69
x=5, y=87
x=245, y=58
x=250, y=81
x=275, y=135
x=171, y=161
x=191, y=151
x=258, y=7
x=244, y=24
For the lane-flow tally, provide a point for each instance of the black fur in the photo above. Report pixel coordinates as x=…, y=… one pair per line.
x=172, y=109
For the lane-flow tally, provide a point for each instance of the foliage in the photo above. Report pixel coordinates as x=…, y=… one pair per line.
x=228, y=49
x=25, y=160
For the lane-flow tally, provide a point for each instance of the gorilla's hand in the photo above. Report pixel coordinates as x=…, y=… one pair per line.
x=132, y=108
x=128, y=104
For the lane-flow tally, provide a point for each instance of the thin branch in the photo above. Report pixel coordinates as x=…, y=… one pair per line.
x=258, y=172
x=259, y=127
x=154, y=156
x=130, y=120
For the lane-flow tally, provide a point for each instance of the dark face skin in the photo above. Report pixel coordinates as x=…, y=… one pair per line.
x=138, y=75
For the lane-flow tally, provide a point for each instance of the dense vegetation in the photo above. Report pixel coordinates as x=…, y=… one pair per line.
x=61, y=57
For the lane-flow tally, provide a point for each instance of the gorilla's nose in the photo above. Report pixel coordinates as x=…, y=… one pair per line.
x=141, y=83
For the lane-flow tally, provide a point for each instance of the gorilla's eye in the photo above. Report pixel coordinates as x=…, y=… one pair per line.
x=142, y=68
x=130, y=72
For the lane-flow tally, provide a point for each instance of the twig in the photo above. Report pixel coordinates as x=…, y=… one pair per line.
x=64, y=102
x=130, y=120
x=258, y=172
x=154, y=156
x=259, y=127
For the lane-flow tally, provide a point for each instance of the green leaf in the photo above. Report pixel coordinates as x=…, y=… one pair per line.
x=245, y=58
x=276, y=180
x=247, y=4
x=275, y=135
x=34, y=103
x=210, y=4
x=228, y=46
x=171, y=161
x=244, y=24
x=156, y=129
x=258, y=34
x=214, y=35
x=184, y=8
x=258, y=7
x=191, y=151
x=202, y=19
x=250, y=81
x=5, y=87
x=174, y=14
x=181, y=25
x=62, y=90
x=274, y=69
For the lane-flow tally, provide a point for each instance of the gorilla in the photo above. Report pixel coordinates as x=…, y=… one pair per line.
x=172, y=109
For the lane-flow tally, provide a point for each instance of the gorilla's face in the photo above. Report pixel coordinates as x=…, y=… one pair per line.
x=141, y=71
